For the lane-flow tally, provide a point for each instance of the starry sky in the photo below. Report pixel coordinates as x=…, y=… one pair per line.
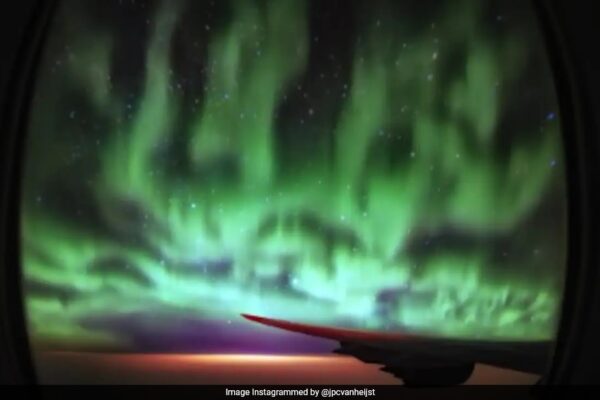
x=381, y=165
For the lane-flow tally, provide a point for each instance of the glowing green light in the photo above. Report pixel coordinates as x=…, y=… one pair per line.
x=415, y=148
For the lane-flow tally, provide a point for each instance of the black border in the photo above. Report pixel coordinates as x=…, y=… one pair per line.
x=25, y=27
x=391, y=392
x=568, y=28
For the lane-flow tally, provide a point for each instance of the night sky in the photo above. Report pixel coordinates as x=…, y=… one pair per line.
x=385, y=165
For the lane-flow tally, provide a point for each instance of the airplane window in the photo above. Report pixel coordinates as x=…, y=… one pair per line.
x=386, y=168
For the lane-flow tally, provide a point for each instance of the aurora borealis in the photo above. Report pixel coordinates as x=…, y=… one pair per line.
x=384, y=165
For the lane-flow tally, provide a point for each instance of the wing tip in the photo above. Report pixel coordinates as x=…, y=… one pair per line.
x=252, y=317
x=325, y=332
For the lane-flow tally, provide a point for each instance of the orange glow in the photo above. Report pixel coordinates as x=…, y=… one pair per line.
x=253, y=358
x=129, y=368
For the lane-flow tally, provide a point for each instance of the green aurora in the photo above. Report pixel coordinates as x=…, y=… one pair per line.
x=413, y=183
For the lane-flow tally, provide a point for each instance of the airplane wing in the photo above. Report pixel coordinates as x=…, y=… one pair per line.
x=423, y=360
